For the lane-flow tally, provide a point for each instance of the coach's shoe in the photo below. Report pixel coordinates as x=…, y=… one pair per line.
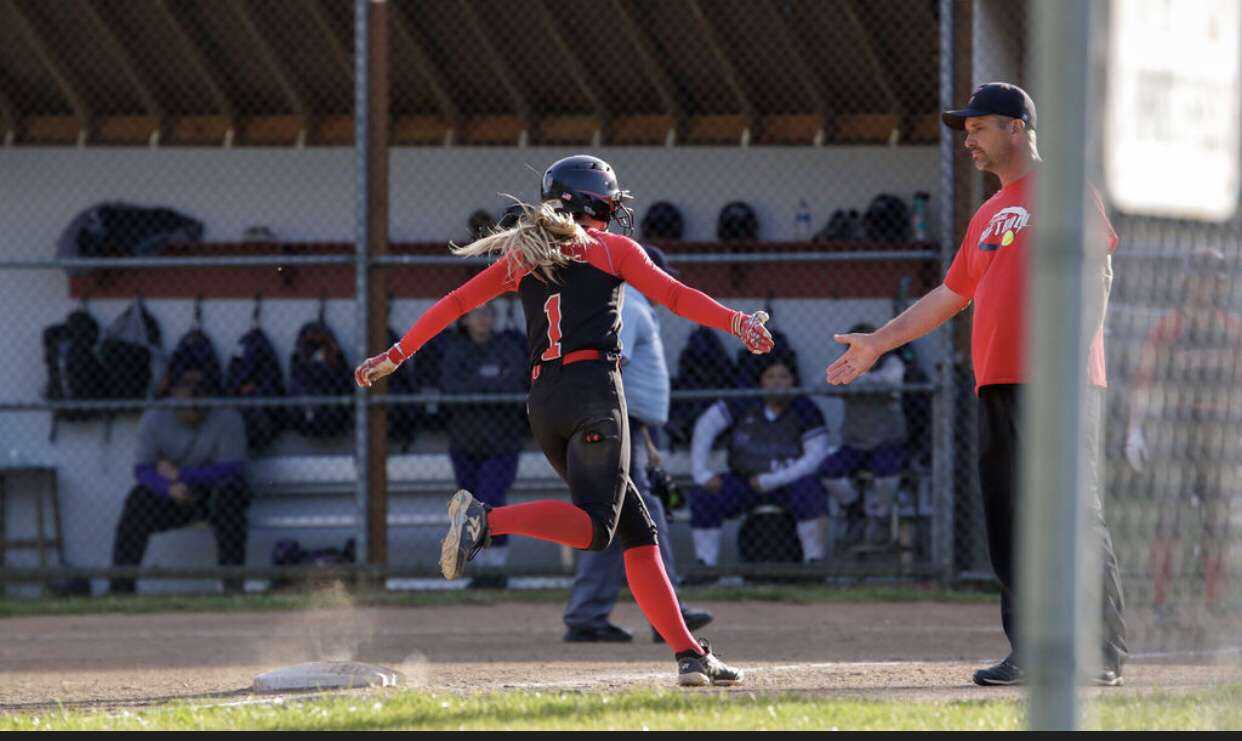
x=467, y=534
x=1108, y=678
x=694, y=620
x=606, y=633
x=1005, y=673
x=696, y=669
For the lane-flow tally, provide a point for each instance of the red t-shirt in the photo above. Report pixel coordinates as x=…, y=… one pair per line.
x=991, y=268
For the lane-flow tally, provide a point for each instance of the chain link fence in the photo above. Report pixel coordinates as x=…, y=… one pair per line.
x=184, y=313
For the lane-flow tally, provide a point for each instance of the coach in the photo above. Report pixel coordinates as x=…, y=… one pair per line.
x=991, y=269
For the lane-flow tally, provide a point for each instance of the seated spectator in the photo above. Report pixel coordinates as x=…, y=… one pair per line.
x=873, y=439
x=776, y=445
x=485, y=439
x=189, y=468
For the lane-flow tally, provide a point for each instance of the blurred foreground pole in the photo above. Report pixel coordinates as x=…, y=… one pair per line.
x=1051, y=517
x=370, y=290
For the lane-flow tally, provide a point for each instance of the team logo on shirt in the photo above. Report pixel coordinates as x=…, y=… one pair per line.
x=1003, y=228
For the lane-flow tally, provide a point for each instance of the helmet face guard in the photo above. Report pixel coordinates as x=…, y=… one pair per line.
x=585, y=185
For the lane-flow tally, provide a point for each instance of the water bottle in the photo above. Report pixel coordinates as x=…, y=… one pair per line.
x=802, y=222
x=918, y=216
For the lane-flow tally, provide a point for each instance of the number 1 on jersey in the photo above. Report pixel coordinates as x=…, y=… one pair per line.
x=552, y=310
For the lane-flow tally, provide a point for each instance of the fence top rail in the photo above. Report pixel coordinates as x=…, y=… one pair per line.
x=242, y=261
x=117, y=405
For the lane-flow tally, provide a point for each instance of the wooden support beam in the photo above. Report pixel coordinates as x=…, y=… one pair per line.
x=786, y=38
x=271, y=60
x=655, y=73
x=731, y=77
x=202, y=66
x=883, y=79
x=340, y=52
x=136, y=77
x=68, y=86
x=575, y=69
x=499, y=67
x=425, y=66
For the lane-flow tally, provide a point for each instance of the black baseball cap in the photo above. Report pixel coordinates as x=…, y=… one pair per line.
x=994, y=99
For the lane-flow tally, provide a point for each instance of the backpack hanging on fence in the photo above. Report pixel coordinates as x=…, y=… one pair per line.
x=318, y=368
x=195, y=351
x=737, y=223
x=131, y=344
x=74, y=373
x=702, y=364
x=887, y=219
x=254, y=371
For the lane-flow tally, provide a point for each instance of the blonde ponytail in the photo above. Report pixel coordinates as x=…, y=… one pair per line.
x=536, y=243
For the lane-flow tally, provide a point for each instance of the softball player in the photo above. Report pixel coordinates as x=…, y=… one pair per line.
x=569, y=271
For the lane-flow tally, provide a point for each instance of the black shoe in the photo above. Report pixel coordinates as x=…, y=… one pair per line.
x=467, y=534
x=1108, y=678
x=694, y=619
x=608, y=633
x=699, y=670
x=489, y=581
x=1005, y=673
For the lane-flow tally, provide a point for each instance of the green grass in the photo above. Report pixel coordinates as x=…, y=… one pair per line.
x=655, y=710
x=293, y=600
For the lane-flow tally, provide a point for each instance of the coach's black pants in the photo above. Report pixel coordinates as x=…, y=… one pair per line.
x=1000, y=445
x=578, y=416
x=147, y=512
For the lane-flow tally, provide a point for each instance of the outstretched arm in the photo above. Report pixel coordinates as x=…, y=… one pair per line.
x=495, y=280
x=631, y=264
x=929, y=312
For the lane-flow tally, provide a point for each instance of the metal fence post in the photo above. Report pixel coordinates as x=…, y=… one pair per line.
x=361, y=268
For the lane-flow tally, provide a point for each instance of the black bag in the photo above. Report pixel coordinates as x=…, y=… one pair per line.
x=737, y=223
x=74, y=372
x=254, y=371
x=769, y=534
x=318, y=368
x=129, y=346
x=702, y=364
x=195, y=351
x=887, y=219
x=662, y=221
x=125, y=230
x=842, y=226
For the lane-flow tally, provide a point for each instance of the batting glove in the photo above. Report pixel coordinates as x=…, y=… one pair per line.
x=750, y=330
x=1136, y=449
x=375, y=368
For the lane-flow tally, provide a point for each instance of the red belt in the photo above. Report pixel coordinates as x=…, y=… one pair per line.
x=576, y=356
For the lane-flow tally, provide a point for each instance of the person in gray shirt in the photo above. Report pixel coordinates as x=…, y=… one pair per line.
x=189, y=468
x=645, y=378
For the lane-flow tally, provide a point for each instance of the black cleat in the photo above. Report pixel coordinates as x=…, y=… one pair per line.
x=467, y=534
x=608, y=633
x=694, y=619
x=700, y=670
x=1004, y=674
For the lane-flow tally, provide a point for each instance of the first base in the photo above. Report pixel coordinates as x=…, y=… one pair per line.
x=326, y=675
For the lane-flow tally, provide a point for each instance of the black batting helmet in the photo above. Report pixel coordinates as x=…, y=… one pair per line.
x=583, y=184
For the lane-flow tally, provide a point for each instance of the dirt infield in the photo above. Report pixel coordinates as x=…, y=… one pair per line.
x=920, y=651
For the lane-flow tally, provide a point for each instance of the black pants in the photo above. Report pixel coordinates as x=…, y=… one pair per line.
x=147, y=512
x=1000, y=445
x=578, y=416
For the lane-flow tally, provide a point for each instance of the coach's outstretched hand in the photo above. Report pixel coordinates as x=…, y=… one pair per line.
x=375, y=368
x=750, y=330
x=863, y=351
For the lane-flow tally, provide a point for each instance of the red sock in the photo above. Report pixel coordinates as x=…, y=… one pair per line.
x=546, y=519
x=655, y=597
